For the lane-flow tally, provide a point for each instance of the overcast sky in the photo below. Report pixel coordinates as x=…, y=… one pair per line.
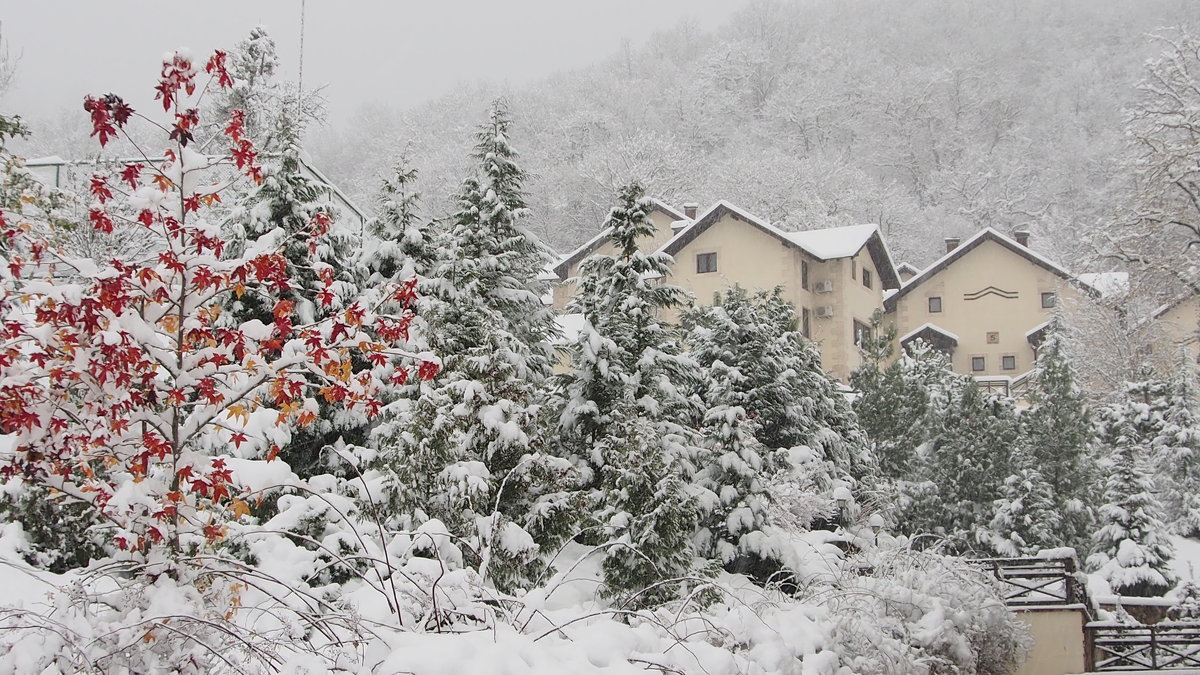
x=395, y=51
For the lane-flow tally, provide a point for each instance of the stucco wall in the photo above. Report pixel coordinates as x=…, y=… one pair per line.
x=1178, y=326
x=1058, y=642
x=971, y=311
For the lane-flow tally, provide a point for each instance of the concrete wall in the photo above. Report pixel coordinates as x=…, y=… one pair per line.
x=1058, y=640
x=988, y=324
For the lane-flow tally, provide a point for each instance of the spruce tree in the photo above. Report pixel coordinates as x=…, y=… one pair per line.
x=1176, y=449
x=1026, y=518
x=1130, y=549
x=623, y=411
x=892, y=406
x=1058, y=432
x=779, y=381
x=969, y=461
x=470, y=450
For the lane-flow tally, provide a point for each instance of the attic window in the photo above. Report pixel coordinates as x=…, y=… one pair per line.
x=853, y=268
x=866, y=277
x=706, y=262
x=804, y=274
x=1049, y=300
x=935, y=304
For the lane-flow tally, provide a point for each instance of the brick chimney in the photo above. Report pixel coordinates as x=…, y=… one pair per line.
x=1022, y=237
x=689, y=210
x=952, y=243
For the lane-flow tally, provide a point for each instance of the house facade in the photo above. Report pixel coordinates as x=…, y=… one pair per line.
x=986, y=303
x=836, y=278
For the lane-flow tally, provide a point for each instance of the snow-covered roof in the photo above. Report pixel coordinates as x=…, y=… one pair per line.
x=986, y=234
x=930, y=327
x=570, y=325
x=1038, y=328
x=825, y=244
x=834, y=242
x=1107, y=284
x=908, y=267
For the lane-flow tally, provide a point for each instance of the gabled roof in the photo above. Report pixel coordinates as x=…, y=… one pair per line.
x=564, y=263
x=827, y=244
x=984, y=235
x=1108, y=284
x=926, y=329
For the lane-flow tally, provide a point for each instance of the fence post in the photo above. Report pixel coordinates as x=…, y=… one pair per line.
x=1153, y=649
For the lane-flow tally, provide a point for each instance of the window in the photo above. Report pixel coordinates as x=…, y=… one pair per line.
x=866, y=277
x=1008, y=362
x=978, y=363
x=805, y=322
x=862, y=333
x=804, y=275
x=853, y=268
x=935, y=304
x=1049, y=299
x=706, y=262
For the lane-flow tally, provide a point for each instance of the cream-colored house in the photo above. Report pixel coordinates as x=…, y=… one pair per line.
x=835, y=277
x=986, y=302
x=1174, y=332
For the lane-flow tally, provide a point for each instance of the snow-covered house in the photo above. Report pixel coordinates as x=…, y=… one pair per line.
x=835, y=277
x=986, y=302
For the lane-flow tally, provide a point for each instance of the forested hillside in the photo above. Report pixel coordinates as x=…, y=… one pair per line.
x=932, y=118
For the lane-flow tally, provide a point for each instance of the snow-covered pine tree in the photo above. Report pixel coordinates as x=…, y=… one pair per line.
x=1026, y=518
x=892, y=405
x=623, y=412
x=969, y=461
x=647, y=512
x=1130, y=549
x=1058, y=432
x=779, y=381
x=298, y=215
x=514, y=282
x=1176, y=449
x=401, y=244
x=732, y=472
x=472, y=453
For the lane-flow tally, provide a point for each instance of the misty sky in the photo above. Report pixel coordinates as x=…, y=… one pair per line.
x=396, y=52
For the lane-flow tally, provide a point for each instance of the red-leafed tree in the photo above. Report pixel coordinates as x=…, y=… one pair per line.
x=124, y=385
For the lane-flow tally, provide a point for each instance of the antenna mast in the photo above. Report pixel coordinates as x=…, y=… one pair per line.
x=300, y=76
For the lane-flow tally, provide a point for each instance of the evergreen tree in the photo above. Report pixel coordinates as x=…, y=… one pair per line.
x=624, y=415
x=1058, y=432
x=892, y=405
x=1131, y=550
x=969, y=462
x=1026, y=519
x=778, y=379
x=469, y=450
x=732, y=473
x=1176, y=449
x=646, y=513
x=262, y=98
